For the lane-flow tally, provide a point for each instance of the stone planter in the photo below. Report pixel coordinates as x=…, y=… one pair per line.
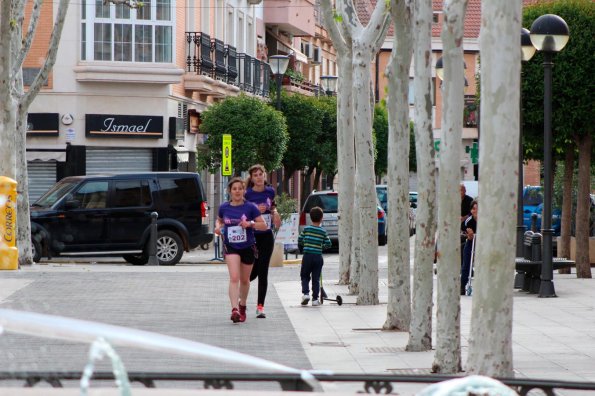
x=277, y=256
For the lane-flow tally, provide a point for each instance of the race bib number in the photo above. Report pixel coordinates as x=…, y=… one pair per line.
x=267, y=219
x=236, y=234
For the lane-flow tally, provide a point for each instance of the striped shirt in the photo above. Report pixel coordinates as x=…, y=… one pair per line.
x=314, y=239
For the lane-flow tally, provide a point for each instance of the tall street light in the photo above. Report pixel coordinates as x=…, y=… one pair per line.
x=329, y=84
x=549, y=34
x=527, y=52
x=278, y=64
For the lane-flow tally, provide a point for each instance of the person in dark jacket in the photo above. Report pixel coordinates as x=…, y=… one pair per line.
x=469, y=229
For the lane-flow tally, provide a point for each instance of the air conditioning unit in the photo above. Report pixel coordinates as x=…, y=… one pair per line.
x=316, y=56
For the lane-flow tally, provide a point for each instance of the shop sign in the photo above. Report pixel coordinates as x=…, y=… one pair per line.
x=125, y=126
x=43, y=124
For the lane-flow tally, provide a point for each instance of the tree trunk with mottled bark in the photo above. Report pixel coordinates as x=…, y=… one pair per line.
x=447, y=358
x=398, y=310
x=345, y=139
x=583, y=204
x=565, y=228
x=14, y=47
x=420, y=332
x=490, y=344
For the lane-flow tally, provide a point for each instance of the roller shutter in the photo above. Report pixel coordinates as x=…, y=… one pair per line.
x=42, y=175
x=118, y=160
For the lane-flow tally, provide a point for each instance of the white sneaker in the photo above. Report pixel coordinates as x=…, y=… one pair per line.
x=315, y=303
x=305, y=299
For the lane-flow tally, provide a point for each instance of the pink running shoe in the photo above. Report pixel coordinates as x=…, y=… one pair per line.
x=242, y=313
x=235, y=315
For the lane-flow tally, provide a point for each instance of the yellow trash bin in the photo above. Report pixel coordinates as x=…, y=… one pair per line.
x=9, y=254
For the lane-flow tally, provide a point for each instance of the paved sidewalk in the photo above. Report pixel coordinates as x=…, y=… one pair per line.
x=553, y=338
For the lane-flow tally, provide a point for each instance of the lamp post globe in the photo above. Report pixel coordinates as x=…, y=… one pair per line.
x=278, y=65
x=549, y=34
x=329, y=84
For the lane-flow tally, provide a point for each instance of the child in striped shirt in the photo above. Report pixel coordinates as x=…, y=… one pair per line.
x=314, y=239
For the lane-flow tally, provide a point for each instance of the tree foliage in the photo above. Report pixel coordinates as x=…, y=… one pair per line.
x=327, y=153
x=380, y=126
x=259, y=133
x=381, y=141
x=304, y=126
x=572, y=102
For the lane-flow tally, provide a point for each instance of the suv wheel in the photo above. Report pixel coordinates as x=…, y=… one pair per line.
x=169, y=247
x=35, y=249
x=136, y=259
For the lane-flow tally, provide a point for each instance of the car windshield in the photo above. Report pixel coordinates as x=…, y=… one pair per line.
x=48, y=199
x=532, y=197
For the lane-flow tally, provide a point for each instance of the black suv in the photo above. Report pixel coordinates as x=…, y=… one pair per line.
x=111, y=215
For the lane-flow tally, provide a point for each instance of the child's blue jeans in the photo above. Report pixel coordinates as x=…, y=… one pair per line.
x=311, y=268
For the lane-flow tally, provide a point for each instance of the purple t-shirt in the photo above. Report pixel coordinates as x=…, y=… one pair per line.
x=233, y=234
x=266, y=197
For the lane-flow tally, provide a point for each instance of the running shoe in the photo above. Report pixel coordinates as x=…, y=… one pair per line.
x=305, y=299
x=242, y=313
x=235, y=315
x=260, y=312
x=315, y=303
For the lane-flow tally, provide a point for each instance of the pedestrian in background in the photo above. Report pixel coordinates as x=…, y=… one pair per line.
x=469, y=229
x=466, y=201
x=314, y=240
x=259, y=192
x=236, y=222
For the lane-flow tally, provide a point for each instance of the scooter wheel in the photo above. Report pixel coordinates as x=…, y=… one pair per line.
x=339, y=300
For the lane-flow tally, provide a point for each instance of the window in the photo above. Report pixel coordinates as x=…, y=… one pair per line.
x=92, y=195
x=131, y=193
x=178, y=192
x=240, y=33
x=118, y=33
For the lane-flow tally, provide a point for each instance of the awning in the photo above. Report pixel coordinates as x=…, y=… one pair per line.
x=299, y=56
x=46, y=153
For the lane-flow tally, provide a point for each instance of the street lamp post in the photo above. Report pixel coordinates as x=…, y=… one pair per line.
x=329, y=84
x=278, y=64
x=527, y=52
x=549, y=34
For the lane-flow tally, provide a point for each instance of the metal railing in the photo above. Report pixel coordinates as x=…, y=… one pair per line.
x=370, y=383
x=214, y=58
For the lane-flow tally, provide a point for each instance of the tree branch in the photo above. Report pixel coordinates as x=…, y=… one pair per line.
x=128, y=3
x=28, y=40
x=377, y=27
x=50, y=59
x=331, y=25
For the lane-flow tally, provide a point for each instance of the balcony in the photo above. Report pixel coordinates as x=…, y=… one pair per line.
x=295, y=17
x=215, y=69
x=298, y=85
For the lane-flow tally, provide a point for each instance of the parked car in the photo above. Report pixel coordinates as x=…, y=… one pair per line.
x=533, y=203
x=382, y=193
x=111, y=215
x=328, y=201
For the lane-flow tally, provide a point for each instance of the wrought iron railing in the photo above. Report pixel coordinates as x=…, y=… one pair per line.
x=370, y=383
x=214, y=58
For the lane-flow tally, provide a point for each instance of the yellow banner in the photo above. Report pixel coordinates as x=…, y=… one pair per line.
x=226, y=167
x=8, y=222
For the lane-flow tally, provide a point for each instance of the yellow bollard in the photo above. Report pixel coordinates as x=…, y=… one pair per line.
x=9, y=254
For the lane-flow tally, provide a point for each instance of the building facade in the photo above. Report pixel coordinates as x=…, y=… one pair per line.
x=129, y=85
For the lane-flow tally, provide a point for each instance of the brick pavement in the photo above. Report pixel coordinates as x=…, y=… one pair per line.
x=552, y=338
